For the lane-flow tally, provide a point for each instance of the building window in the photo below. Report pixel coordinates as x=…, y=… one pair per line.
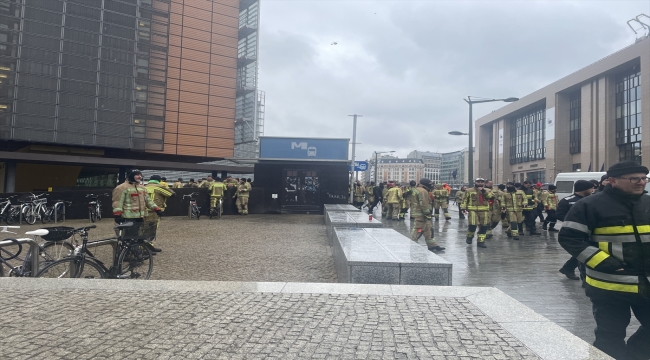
x=574, y=123
x=577, y=167
x=490, y=145
x=536, y=176
x=628, y=115
x=527, y=136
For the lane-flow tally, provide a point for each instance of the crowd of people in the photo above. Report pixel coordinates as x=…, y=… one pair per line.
x=605, y=228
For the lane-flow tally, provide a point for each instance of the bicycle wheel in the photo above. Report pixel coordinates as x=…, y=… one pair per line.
x=135, y=262
x=30, y=216
x=9, y=252
x=98, y=213
x=45, y=216
x=92, y=215
x=9, y=217
x=52, y=251
x=60, y=216
x=66, y=268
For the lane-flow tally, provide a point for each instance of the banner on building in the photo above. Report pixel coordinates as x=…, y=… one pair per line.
x=500, y=141
x=550, y=124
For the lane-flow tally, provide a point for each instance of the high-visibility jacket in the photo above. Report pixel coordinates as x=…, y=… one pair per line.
x=217, y=189
x=370, y=192
x=460, y=195
x=512, y=201
x=531, y=199
x=177, y=185
x=609, y=231
x=440, y=195
x=394, y=195
x=359, y=190
x=158, y=194
x=420, y=201
x=476, y=200
x=550, y=200
x=494, y=202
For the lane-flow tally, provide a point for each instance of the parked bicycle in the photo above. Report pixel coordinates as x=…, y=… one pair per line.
x=132, y=260
x=95, y=207
x=54, y=248
x=34, y=208
x=193, y=210
x=217, y=211
x=57, y=209
x=5, y=210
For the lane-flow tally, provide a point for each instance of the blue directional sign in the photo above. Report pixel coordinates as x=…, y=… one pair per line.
x=360, y=166
x=303, y=148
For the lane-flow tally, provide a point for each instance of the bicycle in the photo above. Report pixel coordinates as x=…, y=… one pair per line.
x=193, y=210
x=132, y=260
x=58, y=209
x=34, y=208
x=53, y=249
x=5, y=210
x=95, y=207
x=217, y=211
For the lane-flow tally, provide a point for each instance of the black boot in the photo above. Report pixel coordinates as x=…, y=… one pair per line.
x=544, y=226
x=481, y=244
x=569, y=274
x=468, y=240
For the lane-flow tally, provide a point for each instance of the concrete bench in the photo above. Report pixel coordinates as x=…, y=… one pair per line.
x=348, y=219
x=340, y=207
x=384, y=256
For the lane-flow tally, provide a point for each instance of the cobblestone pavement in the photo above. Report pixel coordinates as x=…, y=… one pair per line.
x=83, y=324
x=236, y=248
x=526, y=269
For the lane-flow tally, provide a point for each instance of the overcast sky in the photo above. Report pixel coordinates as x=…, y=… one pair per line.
x=407, y=65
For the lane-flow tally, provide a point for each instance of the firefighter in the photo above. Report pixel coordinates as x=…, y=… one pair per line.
x=393, y=199
x=440, y=200
x=207, y=182
x=495, y=209
x=243, y=191
x=512, y=202
x=460, y=196
x=550, y=201
x=158, y=193
x=359, y=192
x=476, y=202
x=421, y=211
x=539, y=193
x=217, y=189
x=178, y=184
x=608, y=233
x=384, y=192
x=411, y=190
x=530, y=211
x=405, y=203
x=370, y=196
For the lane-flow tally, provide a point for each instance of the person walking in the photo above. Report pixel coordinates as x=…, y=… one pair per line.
x=441, y=201
x=158, y=193
x=608, y=232
x=476, y=202
x=460, y=196
x=393, y=199
x=530, y=211
x=495, y=208
x=539, y=194
x=243, y=190
x=130, y=201
x=550, y=202
x=421, y=211
x=384, y=192
x=370, y=196
x=178, y=184
x=512, y=203
x=581, y=189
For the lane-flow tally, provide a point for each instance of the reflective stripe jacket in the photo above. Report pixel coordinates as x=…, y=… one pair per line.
x=440, y=195
x=565, y=205
x=243, y=190
x=158, y=194
x=550, y=199
x=609, y=231
x=460, y=195
x=476, y=200
x=531, y=199
x=370, y=192
x=217, y=189
x=494, y=202
x=393, y=195
x=132, y=201
x=420, y=201
x=512, y=201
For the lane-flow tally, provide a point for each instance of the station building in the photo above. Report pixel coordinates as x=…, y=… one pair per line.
x=586, y=121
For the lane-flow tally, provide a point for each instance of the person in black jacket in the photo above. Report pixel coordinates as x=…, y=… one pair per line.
x=581, y=189
x=610, y=233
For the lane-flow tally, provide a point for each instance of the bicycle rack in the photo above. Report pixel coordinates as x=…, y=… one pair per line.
x=55, y=212
x=33, y=247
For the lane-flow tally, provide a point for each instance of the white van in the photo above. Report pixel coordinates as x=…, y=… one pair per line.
x=565, y=181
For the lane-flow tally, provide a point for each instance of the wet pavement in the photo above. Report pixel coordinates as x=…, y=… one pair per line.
x=526, y=269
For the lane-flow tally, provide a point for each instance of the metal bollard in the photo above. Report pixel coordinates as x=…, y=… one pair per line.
x=56, y=213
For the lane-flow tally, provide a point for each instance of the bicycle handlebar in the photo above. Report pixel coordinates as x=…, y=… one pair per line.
x=85, y=228
x=190, y=195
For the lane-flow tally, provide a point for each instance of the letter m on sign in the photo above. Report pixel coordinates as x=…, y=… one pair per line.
x=301, y=145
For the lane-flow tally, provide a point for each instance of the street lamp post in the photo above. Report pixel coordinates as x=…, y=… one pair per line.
x=354, y=143
x=377, y=163
x=470, y=156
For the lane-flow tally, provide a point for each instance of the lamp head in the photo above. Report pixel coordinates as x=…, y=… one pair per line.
x=510, y=99
x=456, y=133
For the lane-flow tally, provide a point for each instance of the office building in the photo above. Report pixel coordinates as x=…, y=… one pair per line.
x=400, y=170
x=586, y=121
x=122, y=81
x=432, y=163
x=453, y=168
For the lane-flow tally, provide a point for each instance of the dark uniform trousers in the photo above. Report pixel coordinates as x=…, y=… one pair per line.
x=529, y=219
x=612, y=314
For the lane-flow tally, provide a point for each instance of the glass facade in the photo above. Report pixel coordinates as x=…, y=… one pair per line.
x=490, y=146
x=84, y=72
x=574, y=123
x=628, y=115
x=528, y=137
